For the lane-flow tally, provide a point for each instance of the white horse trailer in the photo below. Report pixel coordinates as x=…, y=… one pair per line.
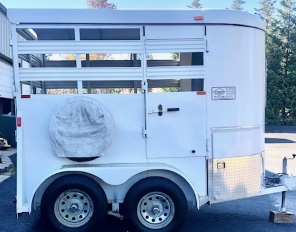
x=136, y=113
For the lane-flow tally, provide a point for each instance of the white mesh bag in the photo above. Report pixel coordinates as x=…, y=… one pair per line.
x=81, y=127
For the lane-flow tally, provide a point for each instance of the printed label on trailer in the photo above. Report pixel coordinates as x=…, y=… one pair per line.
x=223, y=93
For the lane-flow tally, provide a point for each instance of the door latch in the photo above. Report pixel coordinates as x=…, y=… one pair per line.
x=160, y=110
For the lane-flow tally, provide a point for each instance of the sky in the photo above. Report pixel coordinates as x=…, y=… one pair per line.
x=127, y=4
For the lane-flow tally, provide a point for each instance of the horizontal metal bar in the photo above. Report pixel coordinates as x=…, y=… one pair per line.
x=92, y=84
x=235, y=128
x=80, y=74
x=271, y=190
x=81, y=26
x=79, y=47
x=180, y=45
x=176, y=72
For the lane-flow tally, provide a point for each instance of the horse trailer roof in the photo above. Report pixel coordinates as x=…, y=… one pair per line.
x=136, y=17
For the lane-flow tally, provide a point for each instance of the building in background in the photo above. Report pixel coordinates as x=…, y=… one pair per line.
x=6, y=70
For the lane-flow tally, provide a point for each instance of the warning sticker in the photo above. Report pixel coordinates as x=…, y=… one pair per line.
x=223, y=93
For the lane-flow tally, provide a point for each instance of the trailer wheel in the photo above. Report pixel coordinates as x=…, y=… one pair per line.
x=74, y=203
x=155, y=204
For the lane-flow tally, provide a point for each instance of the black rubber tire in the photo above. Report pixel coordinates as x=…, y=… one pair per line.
x=82, y=159
x=152, y=185
x=77, y=182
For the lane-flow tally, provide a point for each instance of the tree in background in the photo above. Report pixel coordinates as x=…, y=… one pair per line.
x=281, y=59
x=266, y=12
x=274, y=59
x=286, y=33
x=101, y=4
x=195, y=4
x=238, y=5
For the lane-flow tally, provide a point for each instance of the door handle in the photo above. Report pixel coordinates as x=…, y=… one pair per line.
x=160, y=110
x=173, y=109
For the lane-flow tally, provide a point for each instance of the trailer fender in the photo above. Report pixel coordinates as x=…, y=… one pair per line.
x=124, y=176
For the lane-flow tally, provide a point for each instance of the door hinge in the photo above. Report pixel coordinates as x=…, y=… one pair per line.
x=208, y=145
x=144, y=133
x=144, y=86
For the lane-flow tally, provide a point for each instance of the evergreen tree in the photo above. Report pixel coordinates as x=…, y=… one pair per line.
x=266, y=12
x=274, y=59
x=287, y=33
x=281, y=59
x=238, y=5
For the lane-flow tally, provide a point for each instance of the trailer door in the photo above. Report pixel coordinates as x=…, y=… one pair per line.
x=175, y=99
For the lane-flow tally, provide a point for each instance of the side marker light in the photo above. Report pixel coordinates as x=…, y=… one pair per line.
x=25, y=96
x=19, y=121
x=201, y=92
x=198, y=18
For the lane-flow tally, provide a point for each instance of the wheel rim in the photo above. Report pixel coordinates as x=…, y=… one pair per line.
x=73, y=208
x=156, y=210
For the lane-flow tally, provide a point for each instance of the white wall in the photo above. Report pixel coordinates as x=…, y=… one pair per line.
x=6, y=80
